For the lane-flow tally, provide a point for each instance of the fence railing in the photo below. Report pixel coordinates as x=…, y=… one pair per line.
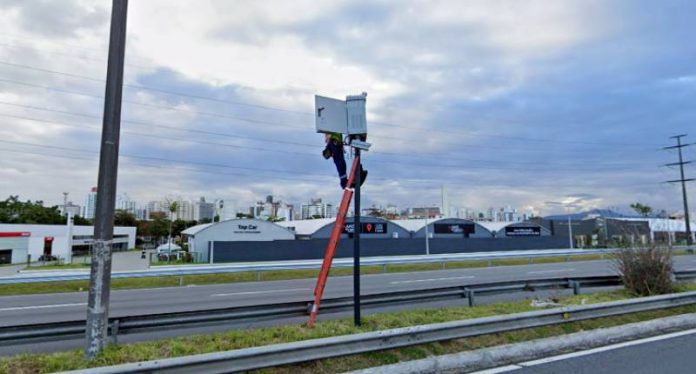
x=139, y=323
x=259, y=267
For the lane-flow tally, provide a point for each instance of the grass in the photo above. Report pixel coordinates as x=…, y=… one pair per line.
x=236, y=339
x=56, y=266
x=173, y=281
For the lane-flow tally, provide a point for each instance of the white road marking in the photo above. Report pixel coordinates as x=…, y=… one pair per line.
x=521, y=365
x=607, y=348
x=431, y=279
x=260, y=292
x=550, y=271
x=40, y=307
x=501, y=369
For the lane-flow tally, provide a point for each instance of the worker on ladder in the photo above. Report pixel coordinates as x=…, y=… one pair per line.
x=334, y=149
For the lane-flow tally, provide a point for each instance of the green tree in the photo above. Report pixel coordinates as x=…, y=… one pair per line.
x=641, y=209
x=159, y=225
x=81, y=221
x=173, y=206
x=12, y=210
x=125, y=218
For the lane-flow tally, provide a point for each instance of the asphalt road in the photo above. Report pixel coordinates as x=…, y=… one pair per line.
x=671, y=353
x=28, y=309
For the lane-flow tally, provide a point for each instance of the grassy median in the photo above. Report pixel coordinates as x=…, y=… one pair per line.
x=173, y=281
x=236, y=339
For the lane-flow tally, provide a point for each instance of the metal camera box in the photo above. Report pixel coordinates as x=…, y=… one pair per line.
x=344, y=117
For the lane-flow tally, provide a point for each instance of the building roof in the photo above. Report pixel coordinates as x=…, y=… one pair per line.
x=307, y=226
x=412, y=224
x=193, y=230
x=494, y=226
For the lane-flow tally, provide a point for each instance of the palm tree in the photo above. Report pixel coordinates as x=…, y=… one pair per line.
x=173, y=207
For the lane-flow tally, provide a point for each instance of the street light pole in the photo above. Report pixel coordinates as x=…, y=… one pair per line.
x=427, y=240
x=356, y=243
x=570, y=228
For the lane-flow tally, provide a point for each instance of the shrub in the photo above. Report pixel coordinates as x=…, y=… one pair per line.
x=645, y=271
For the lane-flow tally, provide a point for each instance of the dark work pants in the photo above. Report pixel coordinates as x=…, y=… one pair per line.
x=339, y=160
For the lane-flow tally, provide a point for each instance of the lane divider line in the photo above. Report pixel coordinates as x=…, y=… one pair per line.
x=260, y=292
x=431, y=279
x=40, y=307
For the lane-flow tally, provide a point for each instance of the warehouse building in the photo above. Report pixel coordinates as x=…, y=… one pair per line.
x=453, y=228
x=214, y=240
x=18, y=241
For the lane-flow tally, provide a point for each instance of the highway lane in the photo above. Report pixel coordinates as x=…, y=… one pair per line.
x=670, y=353
x=70, y=306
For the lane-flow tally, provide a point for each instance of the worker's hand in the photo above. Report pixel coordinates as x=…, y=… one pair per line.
x=326, y=153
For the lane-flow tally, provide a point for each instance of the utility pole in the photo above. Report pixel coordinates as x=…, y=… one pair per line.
x=682, y=180
x=100, y=275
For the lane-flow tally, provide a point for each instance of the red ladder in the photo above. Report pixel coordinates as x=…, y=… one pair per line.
x=333, y=243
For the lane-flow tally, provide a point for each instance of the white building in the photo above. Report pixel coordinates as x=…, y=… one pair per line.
x=226, y=209
x=123, y=202
x=316, y=208
x=90, y=204
x=19, y=240
x=70, y=208
x=203, y=210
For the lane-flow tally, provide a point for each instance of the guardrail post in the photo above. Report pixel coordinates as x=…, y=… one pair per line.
x=567, y=258
x=490, y=263
x=384, y=268
x=530, y=260
x=181, y=280
x=443, y=265
x=258, y=275
x=114, y=332
x=576, y=287
x=470, y=297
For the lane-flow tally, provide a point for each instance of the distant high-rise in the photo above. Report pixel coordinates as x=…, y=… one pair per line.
x=203, y=210
x=90, y=204
x=316, y=209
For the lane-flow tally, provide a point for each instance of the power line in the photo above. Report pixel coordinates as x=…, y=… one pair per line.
x=168, y=92
x=411, y=164
x=151, y=124
x=207, y=164
x=324, y=178
x=201, y=97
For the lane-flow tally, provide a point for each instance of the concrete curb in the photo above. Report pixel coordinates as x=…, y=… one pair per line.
x=511, y=353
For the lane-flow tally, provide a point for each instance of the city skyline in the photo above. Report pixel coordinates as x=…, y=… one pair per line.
x=577, y=108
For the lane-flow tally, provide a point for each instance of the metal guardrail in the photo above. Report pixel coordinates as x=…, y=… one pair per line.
x=139, y=323
x=258, y=267
x=316, y=349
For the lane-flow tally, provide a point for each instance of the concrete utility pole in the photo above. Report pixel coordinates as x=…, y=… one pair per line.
x=100, y=276
x=682, y=180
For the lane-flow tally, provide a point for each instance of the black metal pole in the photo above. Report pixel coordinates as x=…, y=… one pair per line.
x=689, y=239
x=356, y=243
x=100, y=276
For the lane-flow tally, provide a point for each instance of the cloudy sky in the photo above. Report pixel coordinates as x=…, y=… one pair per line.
x=503, y=102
